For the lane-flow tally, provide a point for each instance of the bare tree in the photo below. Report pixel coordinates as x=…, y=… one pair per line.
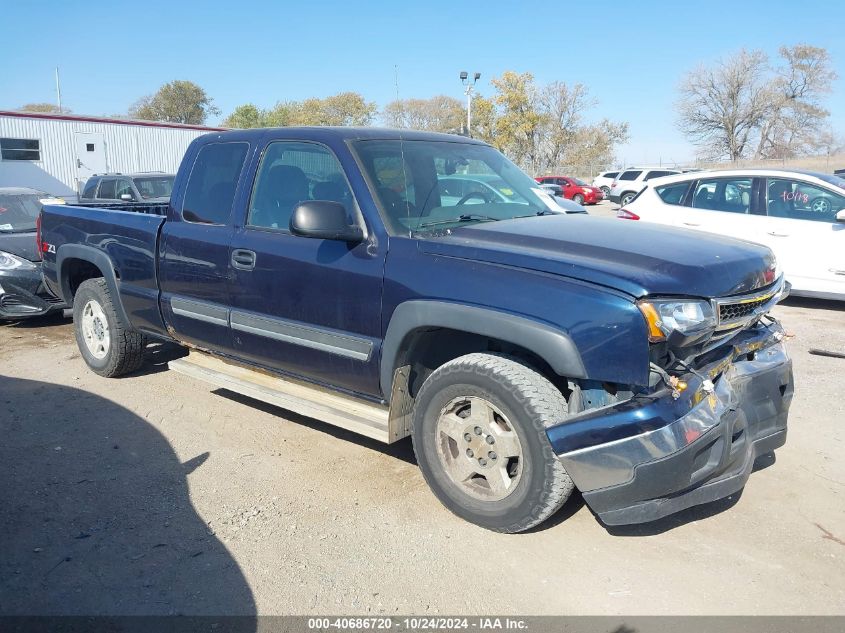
x=722, y=108
x=795, y=122
x=440, y=113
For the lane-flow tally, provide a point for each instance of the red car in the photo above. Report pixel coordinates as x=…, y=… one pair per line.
x=574, y=189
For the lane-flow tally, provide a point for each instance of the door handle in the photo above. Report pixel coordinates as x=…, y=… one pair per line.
x=836, y=271
x=243, y=259
x=776, y=234
x=691, y=224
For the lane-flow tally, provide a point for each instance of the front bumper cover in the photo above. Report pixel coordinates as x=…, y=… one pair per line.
x=655, y=455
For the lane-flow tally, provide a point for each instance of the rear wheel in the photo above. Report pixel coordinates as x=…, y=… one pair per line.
x=820, y=205
x=109, y=346
x=480, y=440
x=626, y=197
x=578, y=198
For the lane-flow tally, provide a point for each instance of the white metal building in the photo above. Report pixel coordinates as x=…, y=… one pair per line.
x=57, y=153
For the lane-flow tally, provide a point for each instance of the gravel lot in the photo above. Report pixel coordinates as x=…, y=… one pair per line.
x=157, y=494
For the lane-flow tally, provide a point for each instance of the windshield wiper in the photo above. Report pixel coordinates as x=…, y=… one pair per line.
x=467, y=217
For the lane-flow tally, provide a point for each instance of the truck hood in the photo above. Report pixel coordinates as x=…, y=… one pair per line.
x=20, y=244
x=634, y=257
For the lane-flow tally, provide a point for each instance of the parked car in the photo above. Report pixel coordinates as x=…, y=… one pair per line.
x=631, y=181
x=148, y=187
x=320, y=269
x=604, y=181
x=798, y=214
x=574, y=189
x=568, y=206
x=22, y=293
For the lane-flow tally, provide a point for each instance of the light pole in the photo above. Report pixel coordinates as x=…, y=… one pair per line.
x=469, y=90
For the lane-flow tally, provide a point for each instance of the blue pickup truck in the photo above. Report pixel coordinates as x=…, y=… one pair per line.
x=526, y=352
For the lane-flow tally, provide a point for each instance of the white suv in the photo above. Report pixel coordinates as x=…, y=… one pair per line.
x=631, y=181
x=800, y=215
x=604, y=181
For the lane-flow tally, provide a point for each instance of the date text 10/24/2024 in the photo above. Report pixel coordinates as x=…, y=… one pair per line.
x=416, y=624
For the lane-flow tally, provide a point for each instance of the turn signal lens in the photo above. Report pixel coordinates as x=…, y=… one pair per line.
x=652, y=318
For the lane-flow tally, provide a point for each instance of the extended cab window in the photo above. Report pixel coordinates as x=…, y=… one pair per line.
x=802, y=201
x=629, y=175
x=292, y=172
x=723, y=194
x=674, y=193
x=212, y=183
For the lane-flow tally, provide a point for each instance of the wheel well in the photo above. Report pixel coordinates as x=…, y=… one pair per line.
x=75, y=271
x=426, y=349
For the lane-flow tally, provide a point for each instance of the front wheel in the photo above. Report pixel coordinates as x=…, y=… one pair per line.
x=578, y=198
x=480, y=440
x=109, y=346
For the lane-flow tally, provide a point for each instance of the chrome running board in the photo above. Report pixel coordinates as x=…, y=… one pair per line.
x=346, y=412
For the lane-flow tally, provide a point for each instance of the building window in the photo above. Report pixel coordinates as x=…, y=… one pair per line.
x=20, y=149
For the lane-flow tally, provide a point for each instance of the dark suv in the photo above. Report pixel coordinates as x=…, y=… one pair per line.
x=141, y=187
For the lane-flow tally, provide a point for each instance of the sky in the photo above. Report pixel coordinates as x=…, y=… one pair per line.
x=631, y=55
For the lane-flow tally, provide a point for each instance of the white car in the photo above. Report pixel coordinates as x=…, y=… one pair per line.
x=631, y=181
x=604, y=181
x=800, y=215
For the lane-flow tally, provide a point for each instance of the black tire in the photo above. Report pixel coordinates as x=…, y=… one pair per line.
x=125, y=350
x=626, y=198
x=578, y=199
x=530, y=403
x=606, y=191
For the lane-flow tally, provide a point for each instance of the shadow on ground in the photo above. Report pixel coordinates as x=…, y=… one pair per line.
x=95, y=515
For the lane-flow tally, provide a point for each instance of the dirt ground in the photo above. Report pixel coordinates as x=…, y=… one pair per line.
x=158, y=494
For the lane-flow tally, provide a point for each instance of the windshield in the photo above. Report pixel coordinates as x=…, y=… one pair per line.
x=429, y=185
x=579, y=182
x=18, y=212
x=154, y=186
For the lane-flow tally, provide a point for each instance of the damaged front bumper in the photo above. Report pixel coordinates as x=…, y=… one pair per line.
x=656, y=454
x=23, y=295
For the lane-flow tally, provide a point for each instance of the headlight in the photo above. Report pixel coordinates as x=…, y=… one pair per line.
x=666, y=316
x=11, y=262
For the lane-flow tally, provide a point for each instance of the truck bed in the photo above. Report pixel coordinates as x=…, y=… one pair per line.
x=122, y=242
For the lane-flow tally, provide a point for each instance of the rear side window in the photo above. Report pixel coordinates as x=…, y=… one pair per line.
x=610, y=174
x=90, y=188
x=674, y=193
x=107, y=189
x=212, y=183
x=723, y=194
x=630, y=175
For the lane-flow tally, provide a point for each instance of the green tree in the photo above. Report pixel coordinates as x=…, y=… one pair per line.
x=346, y=108
x=175, y=102
x=43, y=107
x=246, y=116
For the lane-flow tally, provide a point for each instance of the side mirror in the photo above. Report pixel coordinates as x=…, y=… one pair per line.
x=126, y=197
x=324, y=220
x=840, y=215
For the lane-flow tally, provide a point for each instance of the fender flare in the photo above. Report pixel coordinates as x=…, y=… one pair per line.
x=93, y=256
x=549, y=343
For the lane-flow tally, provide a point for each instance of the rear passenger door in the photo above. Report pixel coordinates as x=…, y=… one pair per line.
x=305, y=306
x=194, y=264
x=724, y=206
